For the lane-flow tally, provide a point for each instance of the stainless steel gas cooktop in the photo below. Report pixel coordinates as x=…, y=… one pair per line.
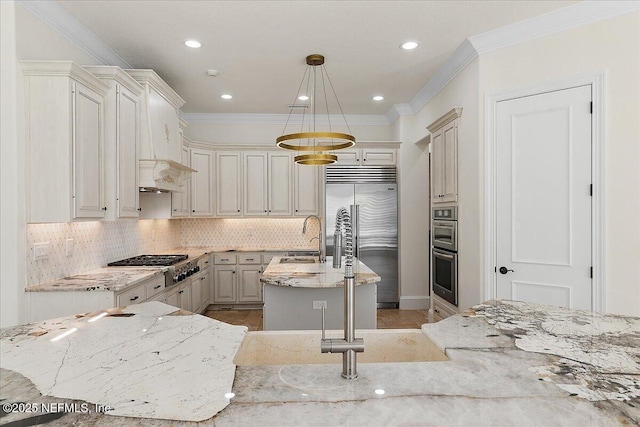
x=149, y=261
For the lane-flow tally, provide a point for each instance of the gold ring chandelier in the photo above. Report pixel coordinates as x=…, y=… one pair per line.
x=318, y=143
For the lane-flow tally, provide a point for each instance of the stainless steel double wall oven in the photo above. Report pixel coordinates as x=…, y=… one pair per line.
x=444, y=253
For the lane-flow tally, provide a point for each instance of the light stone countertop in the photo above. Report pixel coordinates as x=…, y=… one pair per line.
x=510, y=364
x=116, y=279
x=314, y=275
x=111, y=279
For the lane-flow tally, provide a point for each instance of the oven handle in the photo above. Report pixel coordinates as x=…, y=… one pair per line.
x=443, y=254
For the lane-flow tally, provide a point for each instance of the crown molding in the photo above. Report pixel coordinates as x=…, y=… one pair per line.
x=151, y=78
x=62, y=21
x=585, y=12
x=65, y=69
x=117, y=74
x=281, y=119
x=452, y=114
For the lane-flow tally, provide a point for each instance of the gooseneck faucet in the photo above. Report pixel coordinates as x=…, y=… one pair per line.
x=321, y=257
x=350, y=344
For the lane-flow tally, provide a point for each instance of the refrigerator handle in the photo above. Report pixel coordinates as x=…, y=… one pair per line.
x=355, y=223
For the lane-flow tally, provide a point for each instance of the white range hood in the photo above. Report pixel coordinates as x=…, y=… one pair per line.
x=160, y=147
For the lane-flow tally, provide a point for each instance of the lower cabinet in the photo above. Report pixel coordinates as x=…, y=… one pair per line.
x=441, y=309
x=236, y=277
x=200, y=292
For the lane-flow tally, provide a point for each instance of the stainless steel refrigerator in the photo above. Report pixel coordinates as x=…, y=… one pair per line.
x=371, y=195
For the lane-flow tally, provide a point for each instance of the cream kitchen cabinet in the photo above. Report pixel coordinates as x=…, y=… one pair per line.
x=49, y=305
x=65, y=142
x=180, y=200
x=441, y=309
x=249, y=286
x=122, y=128
x=367, y=157
x=267, y=188
x=180, y=295
x=306, y=190
x=202, y=198
x=228, y=183
x=444, y=160
x=237, y=277
x=224, y=278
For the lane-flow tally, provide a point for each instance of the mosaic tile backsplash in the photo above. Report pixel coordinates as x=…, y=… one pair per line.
x=258, y=233
x=97, y=243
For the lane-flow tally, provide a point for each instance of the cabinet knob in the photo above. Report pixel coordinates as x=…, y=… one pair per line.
x=180, y=292
x=234, y=272
x=175, y=210
x=238, y=210
x=104, y=209
x=265, y=210
x=157, y=287
x=193, y=210
x=364, y=160
x=139, y=209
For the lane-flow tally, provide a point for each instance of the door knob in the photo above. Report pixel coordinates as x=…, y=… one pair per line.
x=504, y=270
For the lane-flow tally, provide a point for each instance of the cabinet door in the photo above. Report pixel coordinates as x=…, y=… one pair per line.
x=228, y=184
x=250, y=288
x=172, y=298
x=450, y=162
x=224, y=284
x=280, y=184
x=437, y=167
x=378, y=157
x=196, y=294
x=348, y=157
x=180, y=200
x=128, y=120
x=255, y=184
x=206, y=288
x=201, y=183
x=306, y=190
x=88, y=159
x=184, y=296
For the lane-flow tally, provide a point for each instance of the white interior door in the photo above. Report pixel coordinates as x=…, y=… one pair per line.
x=543, y=204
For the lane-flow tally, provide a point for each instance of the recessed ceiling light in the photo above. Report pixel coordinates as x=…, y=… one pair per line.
x=379, y=392
x=378, y=98
x=409, y=45
x=193, y=43
x=226, y=96
x=303, y=98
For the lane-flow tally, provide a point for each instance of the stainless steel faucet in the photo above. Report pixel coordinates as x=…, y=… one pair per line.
x=321, y=256
x=350, y=345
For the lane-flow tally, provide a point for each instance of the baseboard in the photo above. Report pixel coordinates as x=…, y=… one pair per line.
x=415, y=303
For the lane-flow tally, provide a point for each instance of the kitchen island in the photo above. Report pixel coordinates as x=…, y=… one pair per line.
x=509, y=364
x=295, y=287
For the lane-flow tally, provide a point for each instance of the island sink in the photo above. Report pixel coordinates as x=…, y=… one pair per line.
x=298, y=260
x=303, y=347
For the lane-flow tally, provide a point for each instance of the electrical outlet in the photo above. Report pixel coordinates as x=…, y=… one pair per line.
x=41, y=251
x=69, y=247
x=318, y=305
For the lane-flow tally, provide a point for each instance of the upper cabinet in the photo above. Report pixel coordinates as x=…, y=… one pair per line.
x=366, y=157
x=65, y=142
x=180, y=199
x=121, y=134
x=228, y=183
x=160, y=148
x=444, y=160
x=306, y=190
x=202, y=182
x=267, y=184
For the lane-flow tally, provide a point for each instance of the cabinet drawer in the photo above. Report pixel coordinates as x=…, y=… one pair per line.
x=203, y=262
x=225, y=259
x=441, y=310
x=154, y=286
x=249, y=259
x=378, y=156
x=132, y=296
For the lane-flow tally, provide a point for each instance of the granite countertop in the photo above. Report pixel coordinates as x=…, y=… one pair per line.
x=102, y=279
x=314, y=275
x=510, y=363
x=148, y=360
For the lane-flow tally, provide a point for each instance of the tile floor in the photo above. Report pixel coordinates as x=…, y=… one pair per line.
x=387, y=318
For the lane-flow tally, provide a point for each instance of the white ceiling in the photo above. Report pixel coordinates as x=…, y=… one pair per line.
x=259, y=46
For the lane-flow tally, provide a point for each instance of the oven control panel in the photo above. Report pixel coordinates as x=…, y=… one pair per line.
x=185, y=270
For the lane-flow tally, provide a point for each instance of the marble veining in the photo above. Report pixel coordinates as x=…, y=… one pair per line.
x=102, y=279
x=142, y=361
x=599, y=354
x=314, y=275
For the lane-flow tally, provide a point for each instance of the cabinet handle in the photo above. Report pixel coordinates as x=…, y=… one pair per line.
x=104, y=209
x=134, y=298
x=181, y=291
x=249, y=259
x=206, y=262
x=234, y=272
x=436, y=310
x=224, y=259
x=175, y=210
x=157, y=287
x=139, y=209
x=202, y=278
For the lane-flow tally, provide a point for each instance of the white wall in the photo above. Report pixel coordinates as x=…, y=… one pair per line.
x=12, y=213
x=462, y=91
x=612, y=45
